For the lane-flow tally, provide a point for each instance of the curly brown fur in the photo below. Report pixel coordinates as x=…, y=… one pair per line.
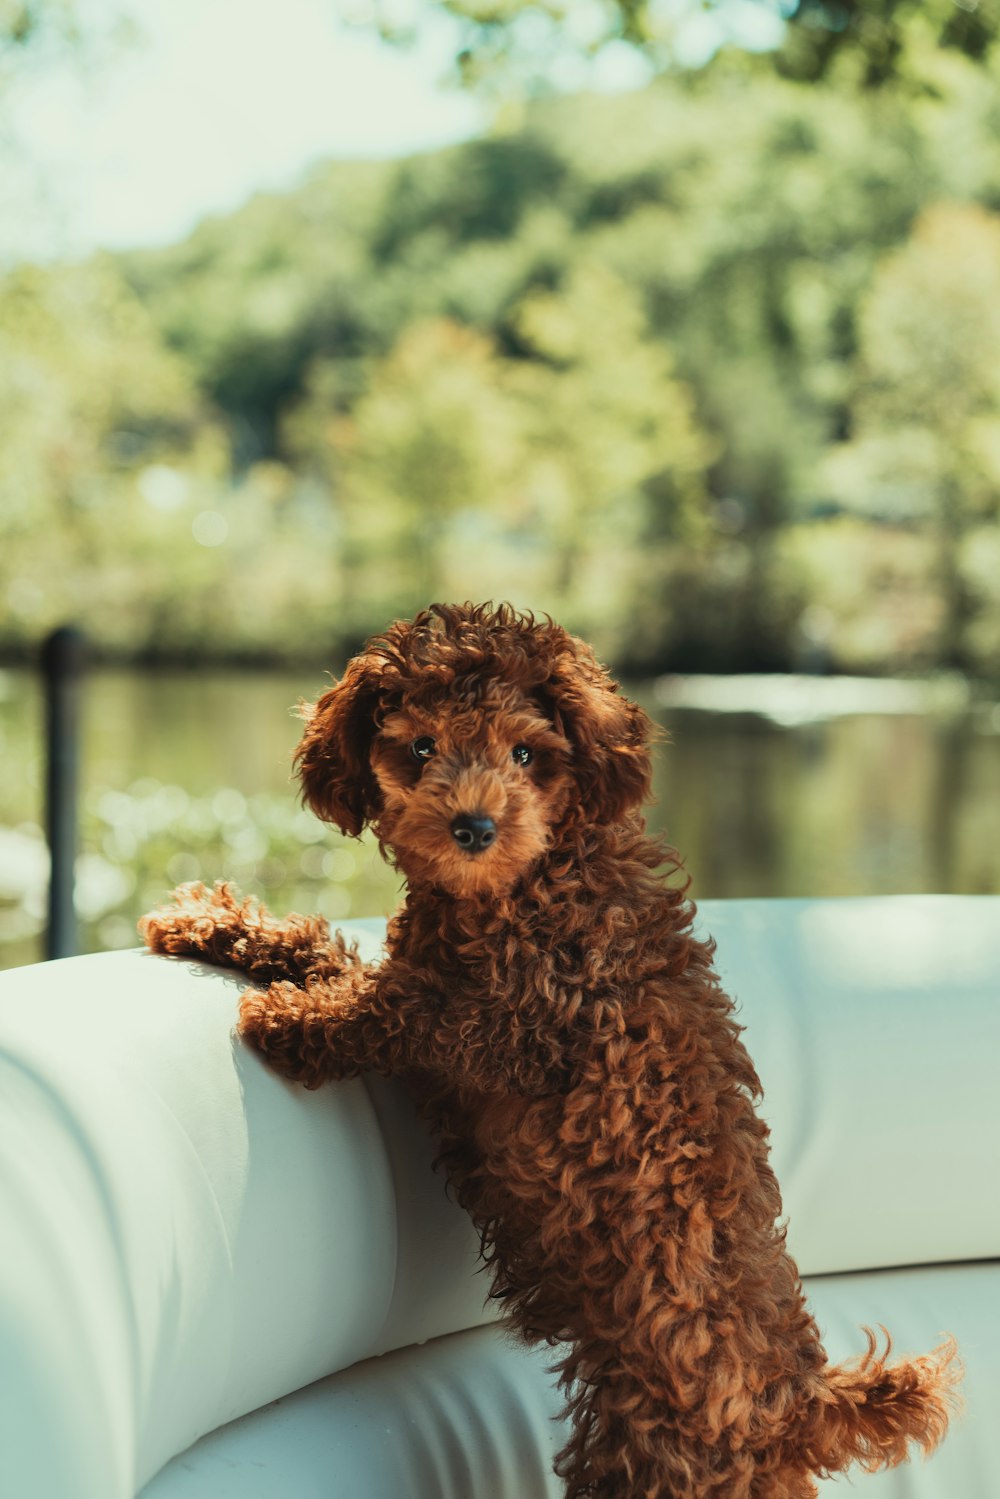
x=570, y=1044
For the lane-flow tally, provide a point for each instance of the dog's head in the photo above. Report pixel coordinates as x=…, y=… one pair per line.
x=466, y=738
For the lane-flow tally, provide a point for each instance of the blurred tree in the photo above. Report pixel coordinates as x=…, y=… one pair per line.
x=751, y=263
x=525, y=41
x=585, y=442
x=252, y=299
x=436, y=433
x=596, y=361
x=878, y=38
x=619, y=455
x=927, y=400
x=478, y=191
x=89, y=399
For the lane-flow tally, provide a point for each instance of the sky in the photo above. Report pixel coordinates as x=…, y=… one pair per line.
x=212, y=100
x=216, y=99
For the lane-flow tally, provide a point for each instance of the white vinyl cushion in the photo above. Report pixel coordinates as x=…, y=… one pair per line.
x=875, y=1028
x=184, y=1237
x=474, y=1416
x=468, y=1416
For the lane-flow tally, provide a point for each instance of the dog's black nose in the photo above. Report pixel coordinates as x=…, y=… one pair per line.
x=473, y=832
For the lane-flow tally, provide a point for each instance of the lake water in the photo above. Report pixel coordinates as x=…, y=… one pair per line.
x=772, y=786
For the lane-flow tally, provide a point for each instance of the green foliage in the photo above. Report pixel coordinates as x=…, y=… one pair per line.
x=876, y=40
x=435, y=436
x=927, y=422
x=618, y=455
x=626, y=362
x=507, y=45
x=89, y=398
x=249, y=300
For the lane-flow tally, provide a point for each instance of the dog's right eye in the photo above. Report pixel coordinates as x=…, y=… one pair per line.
x=423, y=748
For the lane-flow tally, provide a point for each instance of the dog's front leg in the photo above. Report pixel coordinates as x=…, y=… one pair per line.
x=380, y=1018
x=323, y=1030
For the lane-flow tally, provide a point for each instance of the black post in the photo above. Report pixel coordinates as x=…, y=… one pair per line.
x=63, y=655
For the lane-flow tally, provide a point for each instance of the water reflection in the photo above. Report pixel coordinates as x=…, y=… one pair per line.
x=867, y=804
x=188, y=776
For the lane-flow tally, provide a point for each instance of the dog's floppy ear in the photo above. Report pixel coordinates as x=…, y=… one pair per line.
x=610, y=735
x=332, y=758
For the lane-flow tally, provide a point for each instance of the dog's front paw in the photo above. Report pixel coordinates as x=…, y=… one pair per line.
x=199, y=923
x=182, y=926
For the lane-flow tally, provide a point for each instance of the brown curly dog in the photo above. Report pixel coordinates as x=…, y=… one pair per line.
x=570, y=1045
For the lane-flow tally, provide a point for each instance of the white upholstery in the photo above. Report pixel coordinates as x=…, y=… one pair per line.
x=875, y=1028
x=184, y=1238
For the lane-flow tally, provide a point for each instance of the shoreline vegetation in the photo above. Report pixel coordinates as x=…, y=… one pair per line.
x=709, y=371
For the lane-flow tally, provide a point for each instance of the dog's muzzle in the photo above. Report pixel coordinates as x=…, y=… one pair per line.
x=473, y=832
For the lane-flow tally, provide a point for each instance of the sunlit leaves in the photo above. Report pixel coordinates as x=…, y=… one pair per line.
x=601, y=361
x=927, y=402
x=510, y=45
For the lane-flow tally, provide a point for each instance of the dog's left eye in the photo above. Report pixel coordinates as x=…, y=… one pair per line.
x=521, y=754
x=423, y=748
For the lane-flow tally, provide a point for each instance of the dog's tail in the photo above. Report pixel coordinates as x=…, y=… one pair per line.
x=872, y=1411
